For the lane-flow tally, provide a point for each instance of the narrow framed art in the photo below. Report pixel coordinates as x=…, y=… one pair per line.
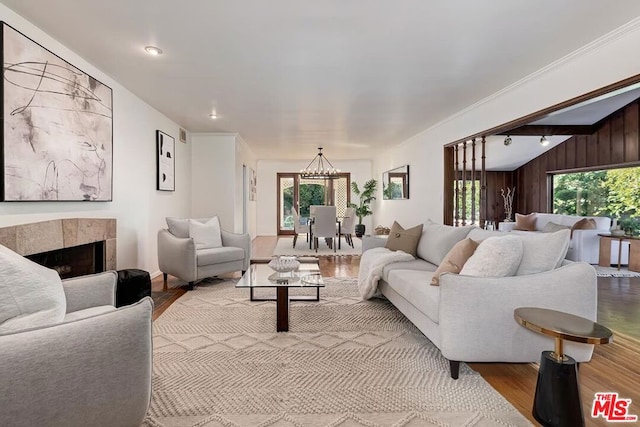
x=56, y=142
x=166, y=162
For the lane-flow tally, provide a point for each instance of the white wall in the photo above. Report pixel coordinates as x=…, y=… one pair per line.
x=213, y=177
x=606, y=61
x=217, y=181
x=267, y=197
x=139, y=209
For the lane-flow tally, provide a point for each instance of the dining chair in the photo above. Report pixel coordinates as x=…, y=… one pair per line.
x=298, y=226
x=324, y=225
x=348, y=225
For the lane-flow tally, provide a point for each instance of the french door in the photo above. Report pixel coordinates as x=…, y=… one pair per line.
x=294, y=191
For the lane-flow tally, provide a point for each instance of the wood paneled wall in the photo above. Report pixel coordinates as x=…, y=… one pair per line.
x=495, y=204
x=614, y=143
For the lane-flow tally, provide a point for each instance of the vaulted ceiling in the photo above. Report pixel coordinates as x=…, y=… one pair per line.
x=352, y=76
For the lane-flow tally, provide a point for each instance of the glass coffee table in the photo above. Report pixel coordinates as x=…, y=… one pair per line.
x=262, y=276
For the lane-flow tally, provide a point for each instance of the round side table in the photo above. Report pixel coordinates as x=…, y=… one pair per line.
x=557, y=397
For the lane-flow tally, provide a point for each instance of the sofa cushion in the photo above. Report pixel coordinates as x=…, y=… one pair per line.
x=416, y=264
x=88, y=312
x=438, y=239
x=543, y=218
x=525, y=222
x=32, y=295
x=403, y=240
x=542, y=251
x=179, y=227
x=552, y=227
x=211, y=256
x=495, y=257
x=478, y=234
x=455, y=259
x=206, y=235
x=414, y=286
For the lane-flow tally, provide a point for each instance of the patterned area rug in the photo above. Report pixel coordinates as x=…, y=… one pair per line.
x=614, y=272
x=345, y=362
x=285, y=247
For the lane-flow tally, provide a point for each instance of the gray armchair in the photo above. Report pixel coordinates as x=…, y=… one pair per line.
x=92, y=369
x=179, y=257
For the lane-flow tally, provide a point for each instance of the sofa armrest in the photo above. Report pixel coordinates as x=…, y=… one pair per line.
x=90, y=291
x=177, y=256
x=242, y=241
x=585, y=246
x=477, y=312
x=370, y=242
x=90, y=372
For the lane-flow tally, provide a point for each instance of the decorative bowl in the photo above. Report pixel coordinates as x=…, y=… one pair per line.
x=284, y=264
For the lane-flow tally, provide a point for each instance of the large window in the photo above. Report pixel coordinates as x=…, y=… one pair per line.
x=614, y=193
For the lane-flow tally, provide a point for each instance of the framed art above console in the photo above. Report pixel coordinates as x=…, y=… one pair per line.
x=57, y=126
x=395, y=183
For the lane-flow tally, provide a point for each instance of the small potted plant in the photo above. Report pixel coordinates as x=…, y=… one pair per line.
x=366, y=196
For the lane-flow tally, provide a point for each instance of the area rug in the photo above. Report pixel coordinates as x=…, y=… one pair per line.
x=285, y=247
x=345, y=362
x=614, y=272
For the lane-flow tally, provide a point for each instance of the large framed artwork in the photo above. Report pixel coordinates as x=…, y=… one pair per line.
x=165, y=154
x=57, y=126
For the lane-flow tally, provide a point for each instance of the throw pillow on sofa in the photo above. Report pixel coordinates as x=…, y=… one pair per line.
x=543, y=251
x=495, y=257
x=455, y=259
x=32, y=295
x=179, y=227
x=206, y=235
x=404, y=240
x=552, y=227
x=525, y=222
x=584, y=224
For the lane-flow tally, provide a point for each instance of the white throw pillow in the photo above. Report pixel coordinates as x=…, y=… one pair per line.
x=495, y=257
x=206, y=235
x=32, y=295
x=543, y=251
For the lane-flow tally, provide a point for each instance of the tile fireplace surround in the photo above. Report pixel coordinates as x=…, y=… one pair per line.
x=45, y=236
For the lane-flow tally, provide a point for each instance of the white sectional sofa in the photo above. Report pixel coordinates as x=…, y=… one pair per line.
x=585, y=244
x=470, y=319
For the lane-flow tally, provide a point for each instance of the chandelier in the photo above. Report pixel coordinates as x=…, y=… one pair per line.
x=317, y=168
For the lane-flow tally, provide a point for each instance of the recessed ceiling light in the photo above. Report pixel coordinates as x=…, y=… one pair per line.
x=153, y=51
x=213, y=116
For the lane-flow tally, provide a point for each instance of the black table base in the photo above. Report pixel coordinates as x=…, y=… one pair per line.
x=557, y=399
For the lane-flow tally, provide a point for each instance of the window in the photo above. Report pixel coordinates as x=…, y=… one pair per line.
x=614, y=193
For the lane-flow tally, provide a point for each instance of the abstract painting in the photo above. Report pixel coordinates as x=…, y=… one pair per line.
x=165, y=149
x=252, y=184
x=57, y=136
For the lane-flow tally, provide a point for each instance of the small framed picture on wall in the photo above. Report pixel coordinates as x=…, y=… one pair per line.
x=166, y=162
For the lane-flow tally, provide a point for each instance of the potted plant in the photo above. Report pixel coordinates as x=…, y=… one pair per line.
x=366, y=196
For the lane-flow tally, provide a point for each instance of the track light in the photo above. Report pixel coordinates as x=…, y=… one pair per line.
x=507, y=141
x=544, y=141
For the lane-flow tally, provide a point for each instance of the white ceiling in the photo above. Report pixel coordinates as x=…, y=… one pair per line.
x=352, y=76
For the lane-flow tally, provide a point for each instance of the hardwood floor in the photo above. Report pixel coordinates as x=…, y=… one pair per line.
x=614, y=367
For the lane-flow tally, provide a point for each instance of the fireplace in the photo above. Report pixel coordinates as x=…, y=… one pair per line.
x=73, y=247
x=74, y=261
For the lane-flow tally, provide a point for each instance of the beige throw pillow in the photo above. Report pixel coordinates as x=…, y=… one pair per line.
x=207, y=235
x=584, y=224
x=525, y=222
x=552, y=227
x=404, y=240
x=455, y=259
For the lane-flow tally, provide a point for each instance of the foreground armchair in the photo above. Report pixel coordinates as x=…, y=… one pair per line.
x=180, y=254
x=92, y=369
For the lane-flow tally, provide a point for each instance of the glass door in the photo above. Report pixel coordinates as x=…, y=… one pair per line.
x=302, y=193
